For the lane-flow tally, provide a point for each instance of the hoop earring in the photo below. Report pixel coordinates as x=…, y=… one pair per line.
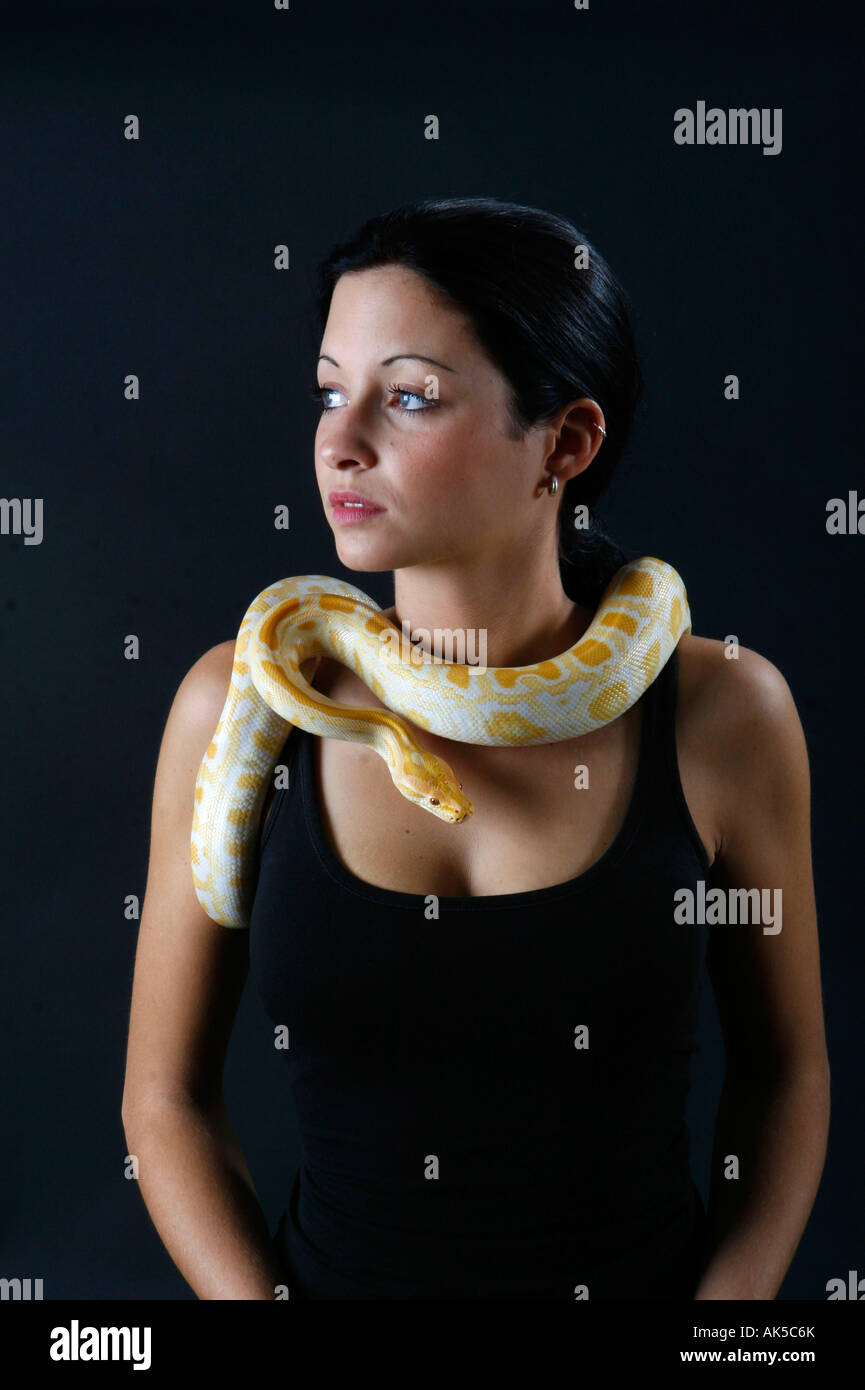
x=553, y=484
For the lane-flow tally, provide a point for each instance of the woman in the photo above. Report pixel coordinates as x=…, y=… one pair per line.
x=490, y=1025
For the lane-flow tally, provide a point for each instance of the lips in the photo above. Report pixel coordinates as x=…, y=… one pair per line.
x=345, y=498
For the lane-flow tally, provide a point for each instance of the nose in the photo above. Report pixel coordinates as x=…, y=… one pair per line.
x=341, y=458
x=346, y=445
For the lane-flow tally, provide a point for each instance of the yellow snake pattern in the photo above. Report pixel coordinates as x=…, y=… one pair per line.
x=642, y=614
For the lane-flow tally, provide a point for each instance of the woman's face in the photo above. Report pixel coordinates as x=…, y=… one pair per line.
x=426, y=441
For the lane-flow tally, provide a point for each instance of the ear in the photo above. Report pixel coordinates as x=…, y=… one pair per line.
x=575, y=436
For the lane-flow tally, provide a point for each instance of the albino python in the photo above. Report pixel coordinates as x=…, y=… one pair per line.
x=642, y=614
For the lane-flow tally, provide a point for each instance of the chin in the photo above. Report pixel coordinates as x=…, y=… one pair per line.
x=363, y=564
x=374, y=560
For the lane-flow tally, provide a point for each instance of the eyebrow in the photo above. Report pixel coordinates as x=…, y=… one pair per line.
x=398, y=357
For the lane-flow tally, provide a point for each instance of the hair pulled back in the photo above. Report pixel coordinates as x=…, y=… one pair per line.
x=555, y=331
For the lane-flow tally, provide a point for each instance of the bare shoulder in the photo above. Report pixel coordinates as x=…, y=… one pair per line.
x=736, y=714
x=192, y=720
x=189, y=974
x=209, y=677
x=726, y=692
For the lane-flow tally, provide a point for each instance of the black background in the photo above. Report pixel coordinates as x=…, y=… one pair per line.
x=155, y=257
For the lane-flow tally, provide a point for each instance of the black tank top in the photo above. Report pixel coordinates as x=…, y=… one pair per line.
x=491, y=1104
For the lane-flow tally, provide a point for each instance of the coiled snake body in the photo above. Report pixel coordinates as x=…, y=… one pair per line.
x=642, y=614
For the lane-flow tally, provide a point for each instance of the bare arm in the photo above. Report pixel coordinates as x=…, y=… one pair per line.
x=189, y=976
x=774, y=1111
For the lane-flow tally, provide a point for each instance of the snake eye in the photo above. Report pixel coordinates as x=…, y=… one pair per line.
x=434, y=801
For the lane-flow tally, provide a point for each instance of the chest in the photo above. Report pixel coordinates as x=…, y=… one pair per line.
x=543, y=814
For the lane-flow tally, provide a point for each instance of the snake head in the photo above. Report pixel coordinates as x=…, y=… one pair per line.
x=452, y=807
x=430, y=783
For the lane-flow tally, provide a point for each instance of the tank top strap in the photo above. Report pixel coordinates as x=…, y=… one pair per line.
x=289, y=755
x=659, y=730
x=659, y=777
x=660, y=715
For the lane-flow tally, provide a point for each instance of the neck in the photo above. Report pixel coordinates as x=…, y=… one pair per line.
x=523, y=617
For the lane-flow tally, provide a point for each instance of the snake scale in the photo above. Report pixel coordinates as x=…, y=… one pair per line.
x=642, y=614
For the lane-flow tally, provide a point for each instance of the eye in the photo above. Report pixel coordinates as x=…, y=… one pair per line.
x=320, y=393
x=415, y=395
x=317, y=394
